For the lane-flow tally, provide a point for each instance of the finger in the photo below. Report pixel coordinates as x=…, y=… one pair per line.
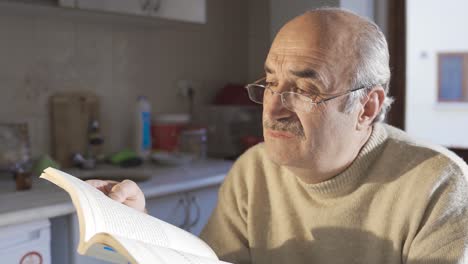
x=126, y=190
x=103, y=186
x=128, y=193
x=109, y=186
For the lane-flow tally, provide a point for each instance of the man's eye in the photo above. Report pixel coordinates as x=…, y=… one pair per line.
x=315, y=97
x=309, y=92
x=303, y=92
x=270, y=84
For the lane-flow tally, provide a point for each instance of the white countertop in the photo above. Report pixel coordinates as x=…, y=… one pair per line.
x=45, y=200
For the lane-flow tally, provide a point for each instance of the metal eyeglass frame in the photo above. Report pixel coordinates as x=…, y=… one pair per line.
x=306, y=98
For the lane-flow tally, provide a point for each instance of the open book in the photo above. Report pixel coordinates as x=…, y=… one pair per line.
x=117, y=233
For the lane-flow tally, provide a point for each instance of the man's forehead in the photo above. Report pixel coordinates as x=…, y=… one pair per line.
x=302, y=71
x=319, y=73
x=300, y=63
x=292, y=39
x=295, y=61
x=273, y=62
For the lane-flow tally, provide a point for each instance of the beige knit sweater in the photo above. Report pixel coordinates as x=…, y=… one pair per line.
x=399, y=202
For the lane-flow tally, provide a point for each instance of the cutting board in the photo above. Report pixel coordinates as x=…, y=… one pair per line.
x=71, y=114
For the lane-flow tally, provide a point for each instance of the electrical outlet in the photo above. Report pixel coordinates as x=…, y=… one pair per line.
x=184, y=87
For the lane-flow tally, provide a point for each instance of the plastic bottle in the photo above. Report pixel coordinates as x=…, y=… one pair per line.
x=143, y=128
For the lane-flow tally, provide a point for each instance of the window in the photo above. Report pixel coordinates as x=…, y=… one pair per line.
x=453, y=77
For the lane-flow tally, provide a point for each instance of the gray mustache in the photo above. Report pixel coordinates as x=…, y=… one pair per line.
x=285, y=125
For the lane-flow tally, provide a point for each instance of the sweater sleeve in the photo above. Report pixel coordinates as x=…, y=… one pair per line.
x=443, y=234
x=226, y=230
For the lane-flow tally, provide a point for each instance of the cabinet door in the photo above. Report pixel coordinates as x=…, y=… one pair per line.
x=67, y=3
x=172, y=209
x=134, y=7
x=61, y=244
x=202, y=202
x=76, y=258
x=184, y=10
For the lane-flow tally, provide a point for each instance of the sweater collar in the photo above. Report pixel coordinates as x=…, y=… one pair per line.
x=350, y=179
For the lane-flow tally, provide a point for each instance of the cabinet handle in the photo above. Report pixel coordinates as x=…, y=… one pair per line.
x=186, y=208
x=197, y=207
x=145, y=4
x=156, y=5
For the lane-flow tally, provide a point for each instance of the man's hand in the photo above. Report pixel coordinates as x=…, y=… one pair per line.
x=126, y=192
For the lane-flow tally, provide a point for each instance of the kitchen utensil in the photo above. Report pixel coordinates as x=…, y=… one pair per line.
x=165, y=131
x=194, y=141
x=71, y=114
x=14, y=146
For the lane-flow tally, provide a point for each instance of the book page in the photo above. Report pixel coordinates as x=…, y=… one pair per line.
x=104, y=215
x=151, y=254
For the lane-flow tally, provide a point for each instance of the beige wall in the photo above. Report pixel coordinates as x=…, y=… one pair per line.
x=282, y=11
x=258, y=37
x=45, y=50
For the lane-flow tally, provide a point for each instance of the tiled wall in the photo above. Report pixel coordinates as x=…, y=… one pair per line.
x=45, y=50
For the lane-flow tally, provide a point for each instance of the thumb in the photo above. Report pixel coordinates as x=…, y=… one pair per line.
x=118, y=193
x=128, y=193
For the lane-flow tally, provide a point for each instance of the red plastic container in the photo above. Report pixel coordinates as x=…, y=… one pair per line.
x=165, y=131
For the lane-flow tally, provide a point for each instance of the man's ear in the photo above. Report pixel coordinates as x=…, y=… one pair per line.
x=371, y=106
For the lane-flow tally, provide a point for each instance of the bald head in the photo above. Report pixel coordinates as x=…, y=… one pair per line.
x=330, y=28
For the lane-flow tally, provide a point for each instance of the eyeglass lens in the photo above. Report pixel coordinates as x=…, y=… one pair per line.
x=292, y=101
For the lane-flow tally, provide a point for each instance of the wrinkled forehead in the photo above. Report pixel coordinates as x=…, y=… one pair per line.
x=292, y=65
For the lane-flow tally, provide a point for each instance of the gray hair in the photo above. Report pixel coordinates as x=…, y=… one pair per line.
x=372, y=68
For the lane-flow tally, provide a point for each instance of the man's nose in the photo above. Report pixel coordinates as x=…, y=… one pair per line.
x=274, y=108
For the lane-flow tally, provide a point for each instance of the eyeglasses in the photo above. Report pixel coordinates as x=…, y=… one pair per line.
x=295, y=102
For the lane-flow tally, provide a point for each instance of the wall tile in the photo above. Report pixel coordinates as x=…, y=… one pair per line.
x=119, y=58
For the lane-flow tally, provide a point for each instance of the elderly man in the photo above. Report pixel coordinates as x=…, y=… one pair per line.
x=331, y=183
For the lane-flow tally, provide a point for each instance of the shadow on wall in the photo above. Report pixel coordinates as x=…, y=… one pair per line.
x=343, y=246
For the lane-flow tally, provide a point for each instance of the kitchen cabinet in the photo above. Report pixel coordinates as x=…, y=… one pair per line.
x=183, y=10
x=26, y=243
x=202, y=204
x=171, y=209
x=74, y=257
x=190, y=210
